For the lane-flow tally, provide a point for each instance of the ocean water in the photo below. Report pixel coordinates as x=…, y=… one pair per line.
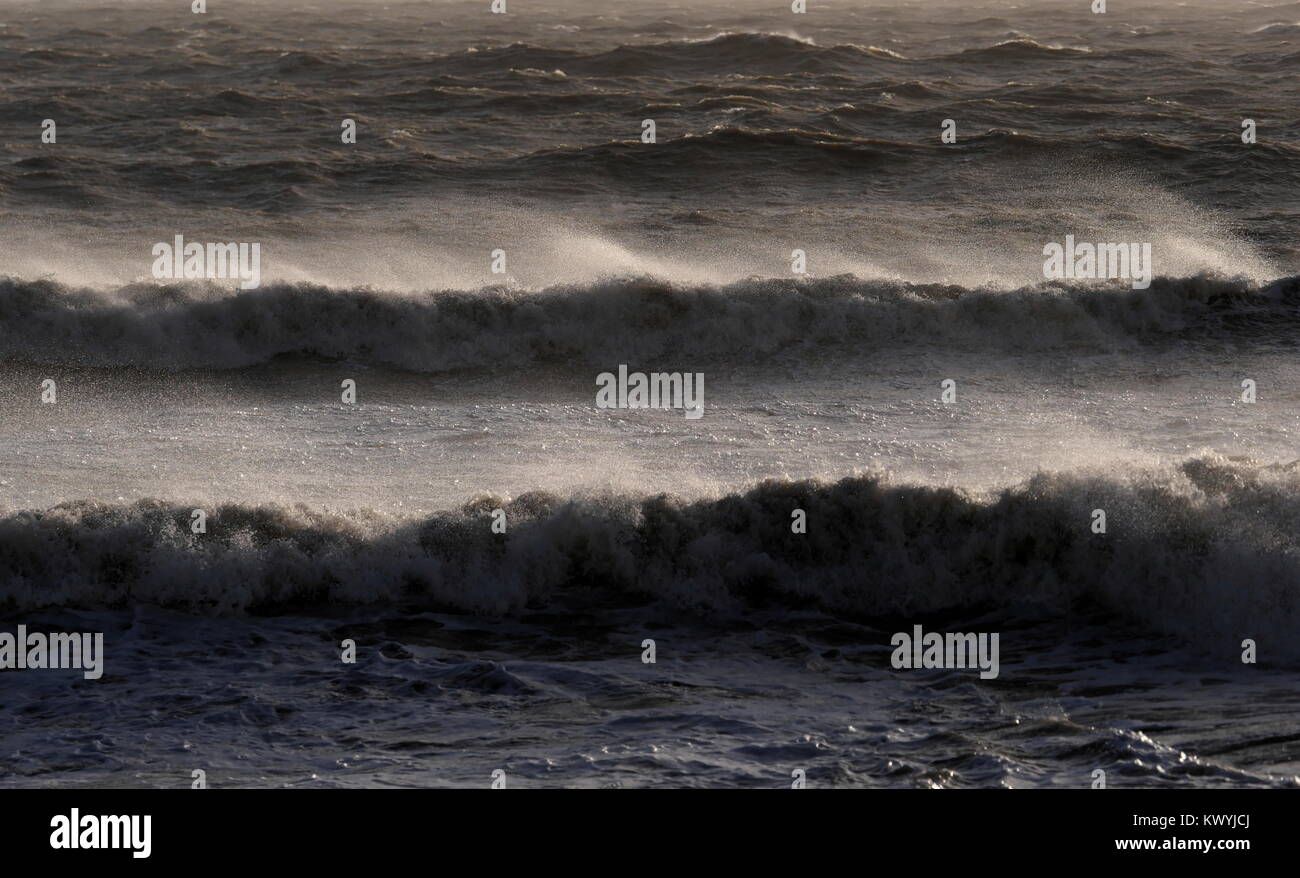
x=522, y=651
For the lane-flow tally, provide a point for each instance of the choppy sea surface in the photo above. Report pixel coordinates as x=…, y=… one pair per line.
x=371, y=521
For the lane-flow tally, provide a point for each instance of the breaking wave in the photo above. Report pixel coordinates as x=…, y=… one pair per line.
x=645, y=320
x=1202, y=550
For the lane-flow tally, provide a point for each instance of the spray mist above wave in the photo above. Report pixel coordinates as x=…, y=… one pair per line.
x=642, y=319
x=1201, y=550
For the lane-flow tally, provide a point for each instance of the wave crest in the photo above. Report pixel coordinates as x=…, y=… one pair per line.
x=1204, y=550
x=645, y=320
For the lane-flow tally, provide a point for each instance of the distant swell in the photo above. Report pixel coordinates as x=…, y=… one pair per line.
x=620, y=320
x=751, y=52
x=1203, y=550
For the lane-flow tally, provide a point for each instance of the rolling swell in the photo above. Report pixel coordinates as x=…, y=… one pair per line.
x=748, y=52
x=1201, y=550
x=833, y=149
x=643, y=320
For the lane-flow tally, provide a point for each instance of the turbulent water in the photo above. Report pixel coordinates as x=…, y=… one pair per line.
x=372, y=521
